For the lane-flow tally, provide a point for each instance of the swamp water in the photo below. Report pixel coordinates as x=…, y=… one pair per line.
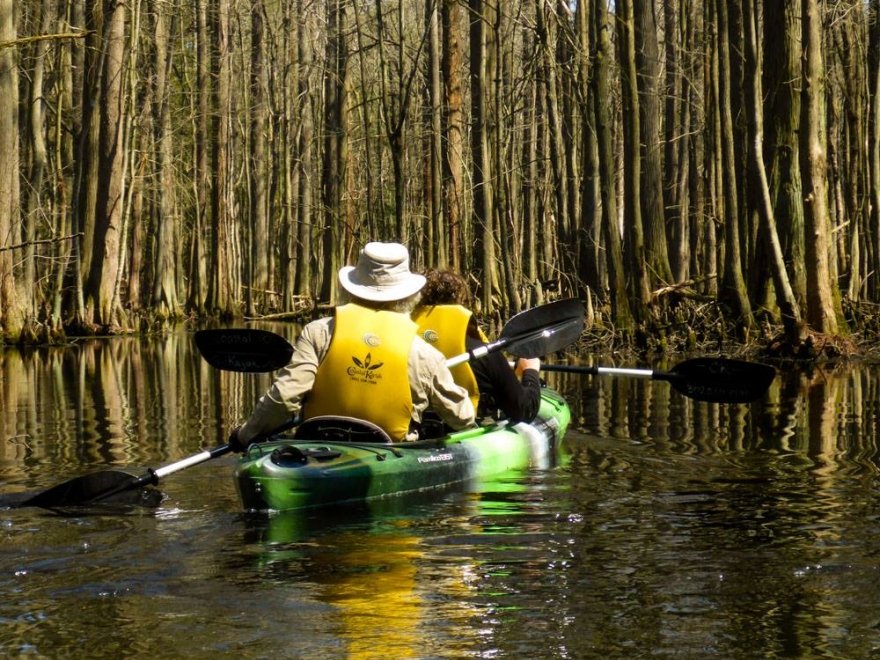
x=667, y=528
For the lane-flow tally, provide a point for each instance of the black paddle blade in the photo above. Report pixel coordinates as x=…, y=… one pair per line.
x=107, y=487
x=720, y=380
x=243, y=349
x=545, y=329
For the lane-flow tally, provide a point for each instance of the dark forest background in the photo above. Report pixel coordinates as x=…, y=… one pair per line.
x=682, y=166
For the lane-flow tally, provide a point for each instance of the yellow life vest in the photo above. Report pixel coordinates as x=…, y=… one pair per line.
x=365, y=373
x=445, y=327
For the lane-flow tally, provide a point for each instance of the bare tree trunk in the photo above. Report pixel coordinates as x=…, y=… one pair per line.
x=634, y=236
x=222, y=272
x=304, y=211
x=88, y=149
x=197, y=296
x=11, y=312
x=258, y=283
x=103, y=277
x=482, y=68
x=822, y=312
x=164, y=296
x=335, y=146
x=874, y=146
x=602, y=104
x=437, y=238
x=453, y=133
x=648, y=76
x=782, y=42
x=788, y=305
x=734, y=288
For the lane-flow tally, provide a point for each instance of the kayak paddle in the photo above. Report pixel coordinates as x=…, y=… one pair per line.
x=717, y=380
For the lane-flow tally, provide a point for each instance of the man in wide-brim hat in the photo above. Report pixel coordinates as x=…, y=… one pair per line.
x=366, y=362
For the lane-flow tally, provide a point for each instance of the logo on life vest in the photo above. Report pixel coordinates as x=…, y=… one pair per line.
x=371, y=340
x=364, y=371
x=430, y=336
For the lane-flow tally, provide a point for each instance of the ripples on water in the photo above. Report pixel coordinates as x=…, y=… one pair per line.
x=667, y=528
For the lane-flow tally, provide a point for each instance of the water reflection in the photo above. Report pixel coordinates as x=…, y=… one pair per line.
x=120, y=401
x=666, y=527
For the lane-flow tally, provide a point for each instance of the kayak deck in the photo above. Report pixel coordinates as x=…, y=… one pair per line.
x=287, y=474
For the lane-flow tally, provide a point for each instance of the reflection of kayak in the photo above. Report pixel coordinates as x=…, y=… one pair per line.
x=300, y=473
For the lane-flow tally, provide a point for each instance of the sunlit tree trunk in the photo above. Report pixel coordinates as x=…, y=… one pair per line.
x=874, y=146
x=602, y=101
x=222, y=277
x=335, y=147
x=822, y=312
x=453, y=132
x=733, y=284
x=482, y=70
x=11, y=312
x=648, y=76
x=437, y=238
x=259, y=170
x=782, y=44
x=197, y=295
x=100, y=292
x=788, y=305
x=306, y=180
x=164, y=298
x=634, y=235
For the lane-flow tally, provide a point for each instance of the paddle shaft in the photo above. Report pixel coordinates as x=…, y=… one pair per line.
x=607, y=371
x=717, y=380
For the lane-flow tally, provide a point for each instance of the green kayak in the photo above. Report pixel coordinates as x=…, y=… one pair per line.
x=299, y=473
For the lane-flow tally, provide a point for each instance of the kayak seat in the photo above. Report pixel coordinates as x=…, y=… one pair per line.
x=331, y=428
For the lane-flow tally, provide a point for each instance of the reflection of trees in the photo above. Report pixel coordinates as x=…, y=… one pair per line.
x=123, y=401
x=738, y=523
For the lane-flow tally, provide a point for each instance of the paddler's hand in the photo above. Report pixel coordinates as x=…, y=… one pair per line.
x=235, y=443
x=526, y=363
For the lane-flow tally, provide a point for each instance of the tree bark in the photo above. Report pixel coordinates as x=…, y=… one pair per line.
x=602, y=101
x=335, y=147
x=733, y=284
x=11, y=312
x=634, y=235
x=822, y=313
x=101, y=287
x=648, y=76
x=874, y=145
x=453, y=132
x=788, y=305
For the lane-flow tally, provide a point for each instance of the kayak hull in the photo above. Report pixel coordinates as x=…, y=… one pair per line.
x=288, y=474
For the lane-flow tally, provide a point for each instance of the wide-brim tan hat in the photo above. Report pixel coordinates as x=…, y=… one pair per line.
x=382, y=274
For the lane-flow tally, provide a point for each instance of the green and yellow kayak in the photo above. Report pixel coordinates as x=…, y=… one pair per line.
x=301, y=473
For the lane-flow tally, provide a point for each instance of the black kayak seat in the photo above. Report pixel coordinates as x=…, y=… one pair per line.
x=332, y=428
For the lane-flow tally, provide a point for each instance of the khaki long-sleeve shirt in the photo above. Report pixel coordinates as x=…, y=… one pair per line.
x=431, y=385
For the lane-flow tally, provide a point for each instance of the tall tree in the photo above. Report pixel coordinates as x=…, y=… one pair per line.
x=11, y=312
x=823, y=312
x=335, y=154
x=223, y=274
x=874, y=143
x=453, y=131
x=164, y=295
x=782, y=43
x=733, y=284
x=788, y=305
x=634, y=233
x=102, y=305
x=602, y=100
x=483, y=65
x=259, y=170
x=648, y=77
